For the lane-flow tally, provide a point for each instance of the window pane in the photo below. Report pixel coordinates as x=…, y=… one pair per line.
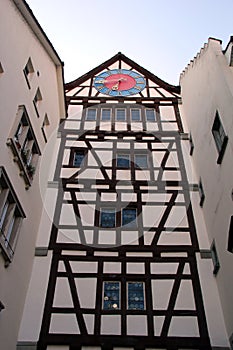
x=136, y=296
x=135, y=114
x=123, y=161
x=91, y=114
x=111, y=295
x=218, y=132
x=150, y=115
x=141, y=161
x=78, y=158
x=106, y=114
x=108, y=218
x=129, y=217
x=120, y=114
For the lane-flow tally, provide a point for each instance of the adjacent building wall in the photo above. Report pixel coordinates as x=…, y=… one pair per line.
x=207, y=87
x=19, y=42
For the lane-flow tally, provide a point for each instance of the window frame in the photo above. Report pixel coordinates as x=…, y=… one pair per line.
x=109, y=117
x=201, y=193
x=88, y=118
x=131, y=115
x=107, y=210
x=136, y=164
x=127, y=296
x=37, y=99
x=220, y=137
x=116, y=112
x=150, y=110
x=215, y=258
x=230, y=236
x=13, y=211
x=24, y=146
x=28, y=71
x=132, y=223
x=122, y=155
x=119, y=296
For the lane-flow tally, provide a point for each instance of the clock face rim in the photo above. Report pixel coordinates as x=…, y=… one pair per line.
x=106, y=89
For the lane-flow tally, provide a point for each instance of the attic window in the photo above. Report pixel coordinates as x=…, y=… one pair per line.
x=28, y=70
x=45, y=126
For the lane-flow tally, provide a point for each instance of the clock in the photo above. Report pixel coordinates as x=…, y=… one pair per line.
x=119, y=82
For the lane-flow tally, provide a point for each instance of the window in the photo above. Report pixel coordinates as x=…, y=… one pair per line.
x=78, y=158
x=220, y=137
x=111, y=296
x=140, y=161
x=108, y=218
x=129, y=217
x=105, y=113
x=191, y=145
x=11, y=215
x=201, y=193
x=120, y=114
x=91, y=114
x=1, y=68
x=45, y=126
x=28, y=70
x=230, y=237
x=135, y=114
x=36, y=101
x=215, y=258
x=150, y=115
x=24, y=146
x=135, y=298
x=123, y=161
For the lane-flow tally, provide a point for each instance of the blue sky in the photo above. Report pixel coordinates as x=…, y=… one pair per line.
x=160, y=35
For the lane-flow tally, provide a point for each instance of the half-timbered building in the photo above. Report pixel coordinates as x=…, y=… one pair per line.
x=121, y=264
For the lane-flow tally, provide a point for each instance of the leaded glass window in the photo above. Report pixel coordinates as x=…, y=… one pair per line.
x=123, y=161
x=91, y=114
x=111, y=296
x=105, y=113
x=141, y=161
x=108, y=217
x=78, y=158
x=129, y=217
x=120, y=114
x=136, y=296
x=150, y=115
x=135, y=114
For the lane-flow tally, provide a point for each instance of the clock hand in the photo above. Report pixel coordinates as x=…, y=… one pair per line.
x=102, y=81
x=116, y=86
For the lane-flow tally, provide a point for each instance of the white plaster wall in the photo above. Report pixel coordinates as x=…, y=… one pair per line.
x=18, y=43
x=207, y=86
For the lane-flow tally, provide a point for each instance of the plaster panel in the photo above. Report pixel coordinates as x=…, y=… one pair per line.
x=84, y=266
x=123, y=145
x=112, y=267
x=129, y=237
x=123, y=175
x=86, y=196
x=142, y=175
x=138, y=268
x=86, y=289
x=148, y=237
x=152, y=215
x=174, y=238
x=164, y=268
x=64, y=323
x=177, y=217
x=120, y=126
x=91, y=174
x=185, y=297
x=89, y=321
x=158, y=324
x=87, y=214
x=161, y=291
x=68, y=236
x=62, y=295
x=111, y=324
x=107, y=237
x=137, y=325
x=183, y=327
x=108, y=197
x=67, y=216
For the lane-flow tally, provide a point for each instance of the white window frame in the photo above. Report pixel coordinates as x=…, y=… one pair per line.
x=11, y=216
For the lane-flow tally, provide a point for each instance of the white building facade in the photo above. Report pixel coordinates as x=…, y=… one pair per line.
x=125, y=261
x=31, y=105
x=207, y=96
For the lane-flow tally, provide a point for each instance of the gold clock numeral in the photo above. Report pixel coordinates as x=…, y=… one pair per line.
x=137, y=87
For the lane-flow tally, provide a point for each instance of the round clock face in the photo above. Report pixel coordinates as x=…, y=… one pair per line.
x=119, y=82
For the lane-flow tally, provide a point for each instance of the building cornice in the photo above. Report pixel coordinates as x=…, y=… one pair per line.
x=35, y=26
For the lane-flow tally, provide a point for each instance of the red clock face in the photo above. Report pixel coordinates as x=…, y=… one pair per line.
x=119, y=82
